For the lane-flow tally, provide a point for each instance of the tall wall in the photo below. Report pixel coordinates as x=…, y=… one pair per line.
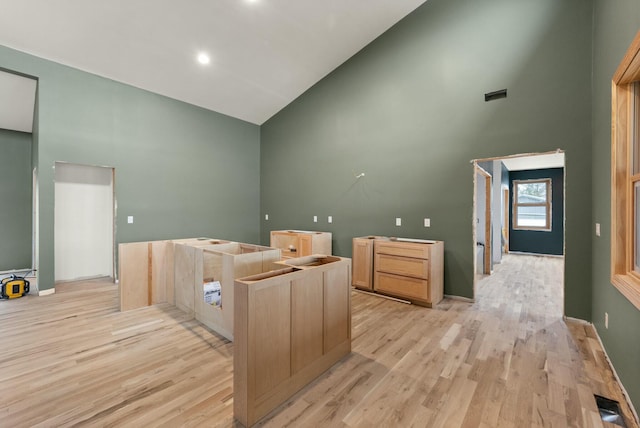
x=180, y=170
x=615, y=25
x=409, y=112
x=15, y=200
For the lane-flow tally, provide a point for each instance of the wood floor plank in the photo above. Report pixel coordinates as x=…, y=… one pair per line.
x=507, y=360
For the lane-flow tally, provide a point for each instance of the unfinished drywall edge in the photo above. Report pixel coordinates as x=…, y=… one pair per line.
x=46, y=292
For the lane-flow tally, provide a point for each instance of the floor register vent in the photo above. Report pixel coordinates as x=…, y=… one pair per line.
x=610, y=411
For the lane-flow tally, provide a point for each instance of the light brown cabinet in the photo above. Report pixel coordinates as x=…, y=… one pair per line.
x=362, y=253
x=301, y=243
x=175, y=272
x=290, y=325
x=410, y=269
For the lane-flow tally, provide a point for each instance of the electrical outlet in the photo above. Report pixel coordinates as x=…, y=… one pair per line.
x=398, y=221
x=606, y=320
x=266, y=216
x=427, y=222
x=315, y=218
x=330, y=219
x=597, y=229
x=130, y=219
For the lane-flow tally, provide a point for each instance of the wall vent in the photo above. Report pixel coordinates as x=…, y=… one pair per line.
x=496, y=95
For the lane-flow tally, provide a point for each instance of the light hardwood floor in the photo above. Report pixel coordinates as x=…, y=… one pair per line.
x=509, y=360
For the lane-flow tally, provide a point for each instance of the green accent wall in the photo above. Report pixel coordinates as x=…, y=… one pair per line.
x=540, y=241
x=15, y=200
x=615, y=25
x=409, y=111
x=180, y=170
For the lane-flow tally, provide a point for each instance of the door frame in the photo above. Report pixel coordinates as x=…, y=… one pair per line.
x=505, y=226
x=114, y=205
x=564, y=203
x=486, y=268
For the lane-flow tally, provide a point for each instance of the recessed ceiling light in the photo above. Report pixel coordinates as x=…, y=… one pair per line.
x=203, y=58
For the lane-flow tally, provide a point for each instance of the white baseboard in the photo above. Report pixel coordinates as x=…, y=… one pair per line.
x=613, y=369
x=579, y=321
x=46, y=292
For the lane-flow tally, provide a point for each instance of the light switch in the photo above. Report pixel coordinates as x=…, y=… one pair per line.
x=130, y=219
x=398, y=221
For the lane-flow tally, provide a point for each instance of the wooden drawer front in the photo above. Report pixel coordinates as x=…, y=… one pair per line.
x=402, y=286
x=405, y=249
x=418, y=268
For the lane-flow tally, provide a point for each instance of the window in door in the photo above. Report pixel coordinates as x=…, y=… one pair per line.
x=532, y=204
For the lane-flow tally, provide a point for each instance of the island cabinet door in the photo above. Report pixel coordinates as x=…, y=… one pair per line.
x=306, y=320
x=337, y=308
x=270, y=349
x=362, y=263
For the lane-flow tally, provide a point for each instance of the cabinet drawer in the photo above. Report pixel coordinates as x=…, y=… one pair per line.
x=418, y=268
x=402, y=286
x=404, y=249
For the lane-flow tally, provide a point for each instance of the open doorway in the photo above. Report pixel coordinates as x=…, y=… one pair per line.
x=17, y=161
x=483, y=184
x=84, y=222
x=525, y=207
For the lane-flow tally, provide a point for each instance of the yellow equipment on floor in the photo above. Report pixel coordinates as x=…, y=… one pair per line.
x=13, y=287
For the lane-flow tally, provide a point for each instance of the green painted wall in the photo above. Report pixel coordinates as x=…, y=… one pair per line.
x=615, y=25
x=409, y=112
x=15, y=200
x=181, y=170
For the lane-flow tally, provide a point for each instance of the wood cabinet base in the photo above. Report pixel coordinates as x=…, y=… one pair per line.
x=290, y=326
x=410, y=269
x=301, y=243
x=174, y=272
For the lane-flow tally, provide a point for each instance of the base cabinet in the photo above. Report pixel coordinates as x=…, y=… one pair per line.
x=301, y=243
x=176, y=272
x=290, y=325
x=410, y=269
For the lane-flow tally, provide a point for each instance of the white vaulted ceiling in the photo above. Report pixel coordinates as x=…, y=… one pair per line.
x=264, y=53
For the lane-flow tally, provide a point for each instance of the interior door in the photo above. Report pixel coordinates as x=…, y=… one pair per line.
x=84, y=205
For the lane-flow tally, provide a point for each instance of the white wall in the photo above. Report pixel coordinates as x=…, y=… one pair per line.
x=83, y=221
